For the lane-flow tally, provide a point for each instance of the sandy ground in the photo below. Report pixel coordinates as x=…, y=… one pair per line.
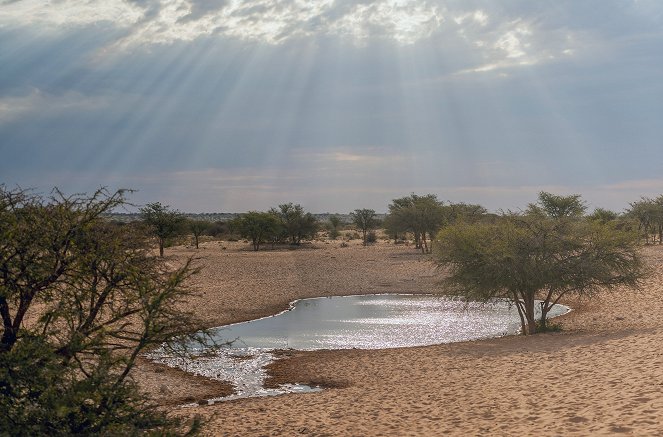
x=602, y=375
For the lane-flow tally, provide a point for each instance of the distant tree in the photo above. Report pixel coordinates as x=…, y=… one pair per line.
x=648, y=213
x=333, y=225
x=603, y=215
x=555, y=206
x=80, y=300
x=198, y=228
x=393, y=227
x=535, y=256
x=364, y=220
x=659, y=217
x=295, y=222
x=163, y=222
x=257, y=226
x=423, y=216
x=466, y=212
x=217, y=229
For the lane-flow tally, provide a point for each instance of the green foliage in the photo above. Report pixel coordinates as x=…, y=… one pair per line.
x=365, y=221
x=296, y=224
x=217, y=229
x=648, y=213
x=525, y=257
x=198, y=228
x=80, y=300
x=547, y=326
x=333, y=227
x=257, y=226
x=554, y=206
x=423, y=217
x=163, y=222
x=466, y=212
x=603, y=215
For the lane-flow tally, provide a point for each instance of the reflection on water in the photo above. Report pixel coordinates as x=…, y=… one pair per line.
x=364, y=322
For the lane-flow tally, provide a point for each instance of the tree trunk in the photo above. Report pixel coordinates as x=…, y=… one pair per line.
x=528, y=302
x=196, y=238
x=544, y=316
x=161, y=242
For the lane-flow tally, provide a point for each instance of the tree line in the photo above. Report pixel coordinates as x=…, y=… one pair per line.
x=415, y=217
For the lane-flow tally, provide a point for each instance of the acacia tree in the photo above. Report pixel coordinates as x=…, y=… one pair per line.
x=649, y=215
x=256, y=226
x=365, y=221
x=603, y=215
x=333, y=225
x=295, y=222
x=534, y=256
x=80, y=300
x=556, y=206
x=423, y=216
x=467, y=212
x=198, y=228
x=163, y=222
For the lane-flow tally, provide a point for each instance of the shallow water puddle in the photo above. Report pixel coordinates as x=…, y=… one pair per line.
x=344, y=322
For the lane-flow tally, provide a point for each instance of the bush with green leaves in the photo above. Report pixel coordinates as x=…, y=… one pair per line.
x=163, y=222
x=259, y=227
x=543, y=254
x=80, y=300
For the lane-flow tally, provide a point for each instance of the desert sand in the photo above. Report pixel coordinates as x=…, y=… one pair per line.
x=602, y=375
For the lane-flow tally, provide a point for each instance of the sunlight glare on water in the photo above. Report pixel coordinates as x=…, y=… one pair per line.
x=346, y=322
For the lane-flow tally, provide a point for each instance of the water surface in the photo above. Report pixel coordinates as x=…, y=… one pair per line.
x=345, y=322
x=376, y=322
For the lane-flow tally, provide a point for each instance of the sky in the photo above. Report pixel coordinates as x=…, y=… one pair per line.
x=226, y=105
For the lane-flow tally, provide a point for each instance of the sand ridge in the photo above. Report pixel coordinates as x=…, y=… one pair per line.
x=602, y=375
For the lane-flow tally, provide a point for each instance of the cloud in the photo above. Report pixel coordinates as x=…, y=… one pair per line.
x=39, y=102
x=403, y=21
x=68, y=13
x=496, y=38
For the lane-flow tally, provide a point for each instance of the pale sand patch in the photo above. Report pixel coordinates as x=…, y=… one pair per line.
x=602, y=375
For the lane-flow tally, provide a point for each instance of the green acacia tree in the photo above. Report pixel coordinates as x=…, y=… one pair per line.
x=648, y=213
x=198, y=228
x=80, y=300
x=422, y=216
x=534, y=256
x=257, y=226
x=603, y=215
x=364, y=220
x=296, y=224
x=333, y=226
x=557, y=206
x=163, y=222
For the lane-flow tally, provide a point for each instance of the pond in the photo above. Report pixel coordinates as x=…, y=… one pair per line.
x=346, y=322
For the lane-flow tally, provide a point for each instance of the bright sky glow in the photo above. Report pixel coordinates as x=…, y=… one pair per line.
x=230, y=105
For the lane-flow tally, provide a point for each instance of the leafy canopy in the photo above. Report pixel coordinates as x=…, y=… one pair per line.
x=80, y=300
x=536, y=256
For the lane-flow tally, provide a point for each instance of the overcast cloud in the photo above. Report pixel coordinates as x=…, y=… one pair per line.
x=235, y=105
